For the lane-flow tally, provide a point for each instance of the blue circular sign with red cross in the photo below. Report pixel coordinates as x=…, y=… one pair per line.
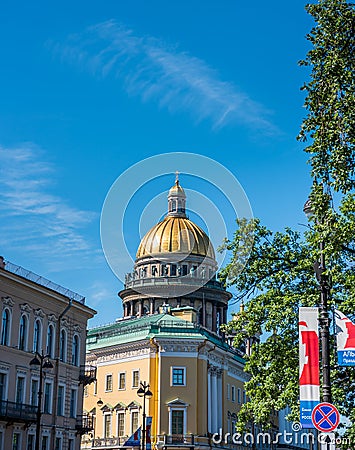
x=325, y=417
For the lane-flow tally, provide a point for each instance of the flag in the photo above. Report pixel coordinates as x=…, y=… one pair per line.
x=345, y=339
x=308, y=364
x=148, y=426
x=134, y=440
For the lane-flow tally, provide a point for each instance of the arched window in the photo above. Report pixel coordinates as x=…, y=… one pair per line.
x=37, y=335
x=50, y=341
x=22, y=338
x=63, y=346
x=5, y=328
x=75, y=351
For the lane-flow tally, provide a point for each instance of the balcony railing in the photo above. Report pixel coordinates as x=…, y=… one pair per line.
x=20, y=412
x=87, y=374
x=84, y=424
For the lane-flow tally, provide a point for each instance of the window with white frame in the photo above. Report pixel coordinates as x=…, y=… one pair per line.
x=177, y=420
x=228, y=391
x=37, y=336
x=3, y=386
x=107, y=425
x=239, y=396
x=22, y=336
x=73, y=402
x=45, y=442
x=16, y=441
x=108, y=382
x=122, y=380
x=120, y=424
x=61, y=400
x=63, y=345
x=47, y=405
x=134, y=421
x=75, y=350
x=58, y=443
x=5, y=327
x=135, y=378
x=233, y=393
x=178, y=376
x=20, y=389
x=30, y=442
x=244, y=397
x=34, y=391
x=50, y=340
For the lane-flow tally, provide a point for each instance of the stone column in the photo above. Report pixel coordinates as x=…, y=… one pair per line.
x=214, y=318
x=209, y=400
x=151, y=305
x=214, y=402
x=140, y=308
x=219, y=406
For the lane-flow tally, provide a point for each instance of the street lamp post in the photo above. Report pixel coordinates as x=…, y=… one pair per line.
x=144, y=392
x=324, y=322
x=43, y=362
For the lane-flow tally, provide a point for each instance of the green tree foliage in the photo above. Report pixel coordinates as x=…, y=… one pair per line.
x=279, y=276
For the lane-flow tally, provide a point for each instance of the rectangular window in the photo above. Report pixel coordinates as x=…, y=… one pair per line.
x=122, y=380
x=120, y=424
x=135, y=378
x=178, y=376
x=107, y=425
x=60, y=401
x=244, y=397
x=34, y=392
x=47, y=407
x=173, y=270
x=20, y=390
x=134, y=421
x=233, y=393
x=58, y=443
x=109, y=383
x=73, y=394
x=184, y=269
x=177, y=421
x=239, y=400
x=71, y=444
x=228, y=391
x=44, y=443
x=2, y=386
x=30, y=442
x=16, y=441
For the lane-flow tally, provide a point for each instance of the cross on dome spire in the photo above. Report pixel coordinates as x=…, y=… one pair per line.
x=177, y=177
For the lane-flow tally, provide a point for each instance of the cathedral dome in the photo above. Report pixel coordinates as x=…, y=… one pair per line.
x=175, y=234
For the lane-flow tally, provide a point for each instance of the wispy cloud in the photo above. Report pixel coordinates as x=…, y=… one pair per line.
x=154, y=71
x=33, y=220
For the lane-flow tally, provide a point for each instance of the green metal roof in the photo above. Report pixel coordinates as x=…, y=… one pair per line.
x=157, y=325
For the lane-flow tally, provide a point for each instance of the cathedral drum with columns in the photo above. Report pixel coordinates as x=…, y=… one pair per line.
x=169, y=337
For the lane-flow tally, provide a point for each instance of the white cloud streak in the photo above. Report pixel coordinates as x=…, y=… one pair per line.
x=34, y=221
x=175, y=80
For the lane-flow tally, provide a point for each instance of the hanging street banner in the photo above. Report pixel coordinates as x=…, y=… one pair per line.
x=308, y=364
x=148, y=426
x=345, y=339
x=134, y=440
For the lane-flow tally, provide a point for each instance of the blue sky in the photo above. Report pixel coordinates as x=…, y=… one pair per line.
x=88, y=89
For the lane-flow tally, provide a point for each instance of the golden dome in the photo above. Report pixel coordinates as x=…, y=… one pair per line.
x=175, y=235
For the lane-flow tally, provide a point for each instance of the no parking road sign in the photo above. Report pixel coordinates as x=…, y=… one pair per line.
x=325, y=417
